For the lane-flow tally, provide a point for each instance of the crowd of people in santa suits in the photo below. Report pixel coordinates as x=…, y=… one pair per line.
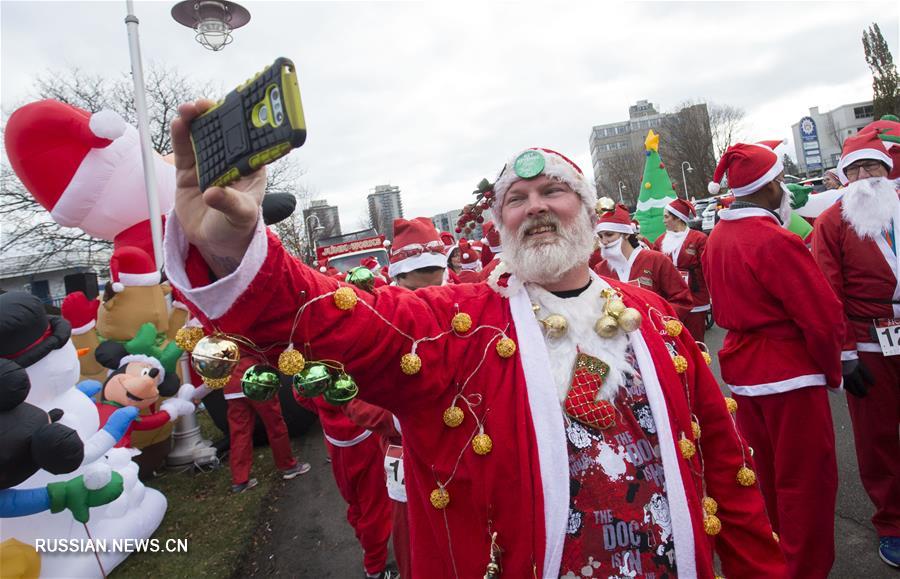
x=801, y=324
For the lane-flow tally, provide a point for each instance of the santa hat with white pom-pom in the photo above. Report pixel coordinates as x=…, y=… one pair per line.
x=132, y=266
x=417, y=244
x=469, y=256
x=749, y=167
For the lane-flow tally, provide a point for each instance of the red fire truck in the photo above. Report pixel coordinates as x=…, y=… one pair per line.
x=345, y=252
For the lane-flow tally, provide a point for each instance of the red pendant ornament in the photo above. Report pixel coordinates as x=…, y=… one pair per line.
x=581, y=401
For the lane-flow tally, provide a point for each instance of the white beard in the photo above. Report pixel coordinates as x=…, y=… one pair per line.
x=868, y=205
x=544, y=263
x=613, y=255
x=672, y=241
x=784, y=210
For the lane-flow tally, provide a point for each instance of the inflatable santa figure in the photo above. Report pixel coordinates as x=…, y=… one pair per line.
x=81, y=313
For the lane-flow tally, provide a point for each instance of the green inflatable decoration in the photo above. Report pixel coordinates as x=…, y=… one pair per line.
x=656, y=191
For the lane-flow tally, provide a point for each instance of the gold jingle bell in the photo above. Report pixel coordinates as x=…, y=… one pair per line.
x=706, y=357
x=461, y=323
x=291, y=362
x=345, y=298
x=453, y=416
x=731, y=404
x=410, y=364
x=440, y=498
x=673, y=328
x=555, y=325
x=606, y=327
x=695, y=428
x=630, y=320
x=215, y=358
x=506, y=348
x=710, y=506
x=187, y=337
x=604, y=205
x=712, y=525
x=688, y=448
x=680, y=362
x=615, y=307
x=746, y=477
x=482, y=444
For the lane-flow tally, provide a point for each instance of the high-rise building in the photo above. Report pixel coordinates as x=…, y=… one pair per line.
x=446, y=221
x=819, y=137
x=385, y=205
x=326, y=216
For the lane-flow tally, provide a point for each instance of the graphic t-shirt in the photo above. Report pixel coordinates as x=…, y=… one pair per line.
x=619, y=523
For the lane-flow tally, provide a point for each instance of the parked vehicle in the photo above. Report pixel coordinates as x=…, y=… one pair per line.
x=345, y=252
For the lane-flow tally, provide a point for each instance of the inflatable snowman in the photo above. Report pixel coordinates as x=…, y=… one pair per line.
x=42, y=345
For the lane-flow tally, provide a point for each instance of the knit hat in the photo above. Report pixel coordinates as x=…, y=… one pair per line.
x=617, y=220
x=131, y=266
x=469, y=257
x=863, y=145
x=534, y=162
x=682, y=209
x=79, y=311
x=417, y=244
x=749, y=166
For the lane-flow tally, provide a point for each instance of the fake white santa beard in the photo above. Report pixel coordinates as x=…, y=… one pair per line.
x=613, y=255
x=544, y=263
x=672, y=241
x=868, y=205
x=784, y=209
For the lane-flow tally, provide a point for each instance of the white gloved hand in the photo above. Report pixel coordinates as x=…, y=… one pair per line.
x=176, y=407
x=186, y=392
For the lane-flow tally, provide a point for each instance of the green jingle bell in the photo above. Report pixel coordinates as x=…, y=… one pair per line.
x=361, y=277
x=342, y=391
x=312, y=381
x=260, y=382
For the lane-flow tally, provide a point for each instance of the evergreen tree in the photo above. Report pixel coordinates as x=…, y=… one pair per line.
x=885, y=89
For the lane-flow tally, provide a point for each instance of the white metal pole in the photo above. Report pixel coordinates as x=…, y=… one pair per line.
x=683, y=180
x=140, y=105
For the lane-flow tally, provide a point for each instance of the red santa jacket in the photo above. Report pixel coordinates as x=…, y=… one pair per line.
x=520, y=489
x=785, y=325
x=142, y=422
x=653, y=271
x=688, y=261
x=863, y=273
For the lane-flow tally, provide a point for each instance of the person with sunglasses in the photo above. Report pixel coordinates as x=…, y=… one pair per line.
x=552, y=420
x=855, y=244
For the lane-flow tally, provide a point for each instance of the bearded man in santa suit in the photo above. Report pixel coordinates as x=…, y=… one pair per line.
x=685, y=247
x=782, y=350
x=855, y=244
x=538, y=452
x=625, y=259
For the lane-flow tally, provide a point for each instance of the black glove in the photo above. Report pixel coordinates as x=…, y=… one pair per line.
x=857, y=378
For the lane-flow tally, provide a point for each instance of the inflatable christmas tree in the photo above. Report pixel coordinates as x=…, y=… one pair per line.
x=656, y=191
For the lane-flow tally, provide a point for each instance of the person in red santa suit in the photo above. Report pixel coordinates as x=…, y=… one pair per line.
x=417, y=254
x=855, y=244
x=601, y=441
x=685, y=247
x=469, y=263
x=625, y=259
x=782, y=349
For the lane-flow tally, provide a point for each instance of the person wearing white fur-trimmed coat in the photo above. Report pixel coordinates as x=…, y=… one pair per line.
x=494, y=489
x=854, y=243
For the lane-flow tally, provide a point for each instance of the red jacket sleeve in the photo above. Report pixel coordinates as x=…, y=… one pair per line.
x=826, y=250
x=371, y=417
x=672, y=287
x=151, y=421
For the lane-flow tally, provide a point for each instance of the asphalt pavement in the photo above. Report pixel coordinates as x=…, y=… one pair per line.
x=304, y=531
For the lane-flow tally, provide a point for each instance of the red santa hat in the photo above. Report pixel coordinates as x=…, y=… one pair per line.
x=749, y=166
x=491, y=237
x=534, y=162
x=417, y=245
x=369, y=263
x=682, y=209
x=448, y=239
x=863, y=145
x=80, y=312
x=131, y=266
x=469, y=256
x=617, y=220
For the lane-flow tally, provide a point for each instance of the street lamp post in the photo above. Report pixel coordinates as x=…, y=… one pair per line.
x=684, y=178
x=212, y=20
x=621, y=186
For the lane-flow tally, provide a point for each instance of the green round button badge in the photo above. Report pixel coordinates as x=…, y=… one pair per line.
x=529, y=164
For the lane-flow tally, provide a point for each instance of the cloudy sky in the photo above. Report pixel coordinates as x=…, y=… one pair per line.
x=434, y=96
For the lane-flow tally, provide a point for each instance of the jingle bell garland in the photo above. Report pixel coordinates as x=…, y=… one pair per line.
x=746, y=477
x=688, y=448
x=341, y=391
x=260, y=382
x=440, y=498
x=361, y=277
x=313, y=380
x=731, y=404
x=712, y=525
x=461, y=322
x=506, y=348
x=345, y=298
x=555, y=325
x=291, y=362
x=674, y=328
x=681, y=363
x=695, y=429
x=453, y=416
x=482, y=443
x=410, y=364
x=710, y=506
x=706, y=357
x=214, y=358
x=187, y=337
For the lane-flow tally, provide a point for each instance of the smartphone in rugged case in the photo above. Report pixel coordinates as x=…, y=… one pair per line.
x=257, y=123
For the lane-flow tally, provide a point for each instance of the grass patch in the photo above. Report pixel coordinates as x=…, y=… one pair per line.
x=217, y=524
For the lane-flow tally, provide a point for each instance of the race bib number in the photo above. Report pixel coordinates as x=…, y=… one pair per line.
x=888, y=331
x=393, y=470
x=685, y=275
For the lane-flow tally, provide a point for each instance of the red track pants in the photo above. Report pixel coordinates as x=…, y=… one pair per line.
x=876, y=431
x=241, y=419
x=695, y=322
x=400, y=539
x=792, y=437
x=359, y=474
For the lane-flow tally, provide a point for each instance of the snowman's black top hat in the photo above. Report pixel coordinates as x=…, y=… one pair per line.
x=27, y=333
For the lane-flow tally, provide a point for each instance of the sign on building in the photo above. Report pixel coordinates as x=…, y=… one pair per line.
x=812, y=154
